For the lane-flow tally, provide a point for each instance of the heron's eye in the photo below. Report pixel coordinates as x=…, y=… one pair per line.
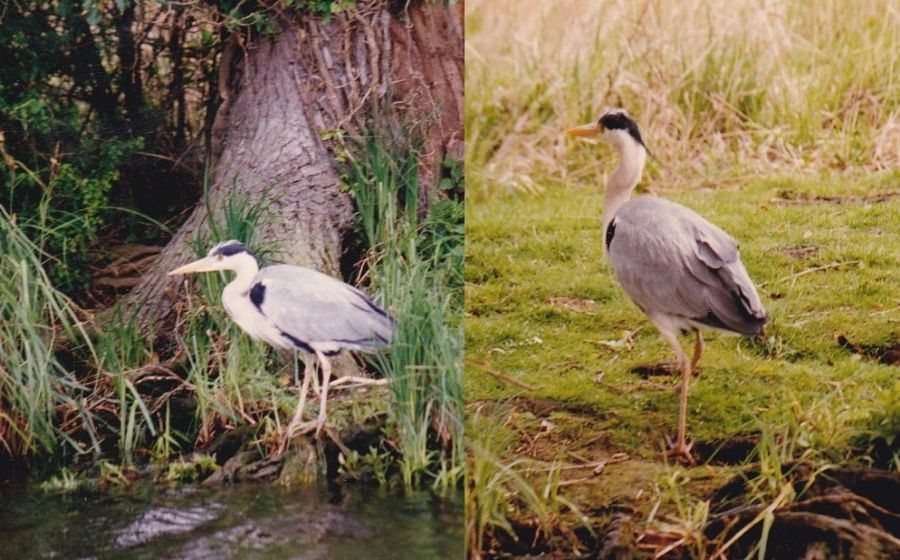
x=220, y=257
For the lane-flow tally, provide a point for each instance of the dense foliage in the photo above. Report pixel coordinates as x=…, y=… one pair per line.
x=105, y=105
x=102, y=105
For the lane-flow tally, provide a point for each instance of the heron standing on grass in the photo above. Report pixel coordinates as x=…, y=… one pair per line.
x=681, y=270
x=295, y=308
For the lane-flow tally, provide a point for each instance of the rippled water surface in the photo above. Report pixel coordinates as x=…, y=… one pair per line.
x=242, y=521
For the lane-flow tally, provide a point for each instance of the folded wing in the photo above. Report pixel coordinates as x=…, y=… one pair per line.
x=672, y=261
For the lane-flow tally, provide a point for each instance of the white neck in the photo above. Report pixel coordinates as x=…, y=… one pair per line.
x=626, y=176
x=245, y=269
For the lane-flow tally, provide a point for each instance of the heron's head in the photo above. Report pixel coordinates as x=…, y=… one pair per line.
x=228, y=255
x=615, y=126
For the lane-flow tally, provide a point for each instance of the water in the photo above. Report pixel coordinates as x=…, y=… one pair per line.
x=244, y=521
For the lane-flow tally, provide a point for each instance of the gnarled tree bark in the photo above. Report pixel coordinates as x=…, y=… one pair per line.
x=280, y=93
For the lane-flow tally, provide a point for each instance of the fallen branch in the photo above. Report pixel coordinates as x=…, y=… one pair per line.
x=497, y=375
x=118, y=283
x=350, y=381
x=575, y=481
x=815, y=269
x=597, y=466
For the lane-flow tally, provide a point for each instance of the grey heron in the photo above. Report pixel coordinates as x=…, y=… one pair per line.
x=295, y=308
x=684, y=272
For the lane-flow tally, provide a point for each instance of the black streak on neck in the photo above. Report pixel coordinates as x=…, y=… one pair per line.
x=610, y=232
x=257, y=294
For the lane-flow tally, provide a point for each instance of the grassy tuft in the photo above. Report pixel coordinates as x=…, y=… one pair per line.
x=495, y=487
x=416, y=268
x=40, y=401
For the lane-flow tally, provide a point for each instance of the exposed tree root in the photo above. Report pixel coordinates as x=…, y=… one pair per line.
x=847, y=513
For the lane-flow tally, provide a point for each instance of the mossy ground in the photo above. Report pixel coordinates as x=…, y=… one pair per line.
x=544, y=311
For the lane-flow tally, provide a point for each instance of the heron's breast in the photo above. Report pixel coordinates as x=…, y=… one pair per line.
x=250, y=319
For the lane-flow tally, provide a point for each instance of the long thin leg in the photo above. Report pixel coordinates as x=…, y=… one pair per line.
x=297, y=426
x=315, y=385
x=698, y=349
x=323, y=400
x=309, y=372
x=681, y=449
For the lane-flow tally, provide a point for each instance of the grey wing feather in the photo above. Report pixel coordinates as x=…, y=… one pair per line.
x=671, y=260
x=323, y=312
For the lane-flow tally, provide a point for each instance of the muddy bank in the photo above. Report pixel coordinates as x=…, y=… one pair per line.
x=842, y=513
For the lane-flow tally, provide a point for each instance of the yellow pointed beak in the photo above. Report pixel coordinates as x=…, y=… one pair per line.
x=206, y=264
x=585, y=131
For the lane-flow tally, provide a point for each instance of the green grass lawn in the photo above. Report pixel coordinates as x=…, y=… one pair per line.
x=544, y=311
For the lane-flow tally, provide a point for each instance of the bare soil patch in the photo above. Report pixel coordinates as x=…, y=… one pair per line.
x=735, y=450
x=801, y=252
x=888, y=354
x=656, y=370
x=573, y=304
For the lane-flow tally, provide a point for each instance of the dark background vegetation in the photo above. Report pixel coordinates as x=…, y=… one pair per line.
x=105, y=110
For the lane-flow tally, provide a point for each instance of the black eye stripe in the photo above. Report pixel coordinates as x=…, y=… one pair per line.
x=231, y=249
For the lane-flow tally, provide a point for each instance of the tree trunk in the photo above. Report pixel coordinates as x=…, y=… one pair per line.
x=278, y=95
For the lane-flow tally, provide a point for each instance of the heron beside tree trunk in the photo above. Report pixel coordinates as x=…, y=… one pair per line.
x=299, y=309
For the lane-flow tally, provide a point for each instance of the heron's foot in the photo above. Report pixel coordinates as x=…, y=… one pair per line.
x=681, y=452
x=304, y=428
x=296, y=429
x=319, y=424
x=301, y=428
x=695, y=371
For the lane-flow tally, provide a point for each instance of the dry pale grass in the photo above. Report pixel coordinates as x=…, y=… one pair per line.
x=723, y=89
